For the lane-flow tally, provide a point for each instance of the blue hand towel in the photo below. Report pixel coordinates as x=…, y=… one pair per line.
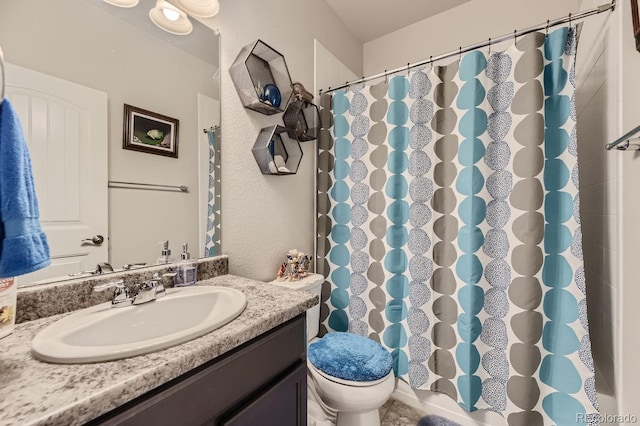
x=23, y=245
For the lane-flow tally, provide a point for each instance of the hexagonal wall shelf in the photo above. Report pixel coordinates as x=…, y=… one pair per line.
x=303, y=118
x=261, y=78
x=277, y=151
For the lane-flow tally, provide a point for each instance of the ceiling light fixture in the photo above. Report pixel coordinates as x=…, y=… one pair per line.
x=122, y=3
x=171, y=14
x=199, y=8
x=169, y=18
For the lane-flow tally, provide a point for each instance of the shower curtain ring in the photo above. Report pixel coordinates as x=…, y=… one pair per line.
x=431, y=60
x=459, y=53
x=515, y=36
x=408, y=63
x=569, y=19
x=546, y=31
x=386, y=77
x=489, y=46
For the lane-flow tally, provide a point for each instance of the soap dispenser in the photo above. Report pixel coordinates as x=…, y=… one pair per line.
x=187, y=269
x=165, y=257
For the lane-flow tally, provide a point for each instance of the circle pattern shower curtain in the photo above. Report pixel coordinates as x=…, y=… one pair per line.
x=449, y=230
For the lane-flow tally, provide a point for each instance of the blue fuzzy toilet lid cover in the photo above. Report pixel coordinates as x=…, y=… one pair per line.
x=348, y=356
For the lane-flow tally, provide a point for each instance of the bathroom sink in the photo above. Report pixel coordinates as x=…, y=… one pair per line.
x=103, y=333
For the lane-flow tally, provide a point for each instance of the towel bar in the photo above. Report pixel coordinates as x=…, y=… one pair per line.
x=150, y=186
x=618, y=143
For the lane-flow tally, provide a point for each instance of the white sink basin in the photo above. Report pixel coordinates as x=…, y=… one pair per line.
x=104, y=333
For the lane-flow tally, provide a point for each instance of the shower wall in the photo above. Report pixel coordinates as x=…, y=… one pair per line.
x=597, y=110
x=607, y=107
x=627, y=366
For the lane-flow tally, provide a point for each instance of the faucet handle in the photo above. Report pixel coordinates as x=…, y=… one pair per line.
x=122, y=296
x=156, y=282
x=119, y=285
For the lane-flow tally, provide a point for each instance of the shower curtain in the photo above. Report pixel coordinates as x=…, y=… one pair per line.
x=212, y=235
x=448, y=229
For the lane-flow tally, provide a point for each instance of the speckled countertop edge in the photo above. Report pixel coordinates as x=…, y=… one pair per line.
x=38, y=393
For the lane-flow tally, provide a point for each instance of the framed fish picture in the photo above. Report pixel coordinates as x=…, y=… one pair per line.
x=150, y=132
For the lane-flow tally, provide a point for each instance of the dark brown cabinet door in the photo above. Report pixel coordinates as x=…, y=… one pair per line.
x=284, y=404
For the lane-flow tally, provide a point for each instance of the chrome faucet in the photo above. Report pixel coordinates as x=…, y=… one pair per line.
x=122, y=296
x=148, y=291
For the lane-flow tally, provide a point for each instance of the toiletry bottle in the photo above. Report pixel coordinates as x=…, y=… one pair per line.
x=8, y=298
x=187, y=269
x=165, y=257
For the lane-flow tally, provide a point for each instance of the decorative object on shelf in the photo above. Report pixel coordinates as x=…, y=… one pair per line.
x=277, y=151
x=271, y=94
x=302, y=94
x=261, y=78
x=150, y=132
x=295, y=268
x=301, y=115
x=635, y=15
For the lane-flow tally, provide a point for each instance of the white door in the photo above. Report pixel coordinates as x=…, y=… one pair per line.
x=65, y=125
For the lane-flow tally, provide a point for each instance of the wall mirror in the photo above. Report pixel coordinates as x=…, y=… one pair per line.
x=71, y=68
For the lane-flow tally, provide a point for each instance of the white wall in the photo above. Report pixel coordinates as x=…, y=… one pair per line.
x=607, y=108
x=464, y=25
x=265, y=216
x=598, y=110
x=628, y=91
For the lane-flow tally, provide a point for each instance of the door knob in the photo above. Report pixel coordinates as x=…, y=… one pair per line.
x=96, y=240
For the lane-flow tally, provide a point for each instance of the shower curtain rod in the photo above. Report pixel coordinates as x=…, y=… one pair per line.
x=545, y=26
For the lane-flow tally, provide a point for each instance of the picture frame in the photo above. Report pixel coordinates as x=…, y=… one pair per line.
x=150, y=132
x=635, y=16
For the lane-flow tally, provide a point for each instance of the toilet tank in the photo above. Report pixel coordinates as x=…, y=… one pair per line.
x=313, y=284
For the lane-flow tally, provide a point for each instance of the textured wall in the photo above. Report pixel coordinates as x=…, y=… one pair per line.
x=264, y=216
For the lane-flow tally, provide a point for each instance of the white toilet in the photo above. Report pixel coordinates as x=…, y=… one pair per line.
x=355, y=403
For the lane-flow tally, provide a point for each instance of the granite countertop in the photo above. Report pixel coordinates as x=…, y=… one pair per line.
x=38, y=393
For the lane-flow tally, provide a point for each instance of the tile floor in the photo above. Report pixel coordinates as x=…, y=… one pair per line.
x=395, y=413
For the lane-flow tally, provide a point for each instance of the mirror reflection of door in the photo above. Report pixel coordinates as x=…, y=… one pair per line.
x=65, y=125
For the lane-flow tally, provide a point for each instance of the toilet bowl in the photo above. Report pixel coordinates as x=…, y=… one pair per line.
x=350, y=402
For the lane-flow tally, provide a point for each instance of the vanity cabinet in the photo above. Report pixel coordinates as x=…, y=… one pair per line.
x=263, y=382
